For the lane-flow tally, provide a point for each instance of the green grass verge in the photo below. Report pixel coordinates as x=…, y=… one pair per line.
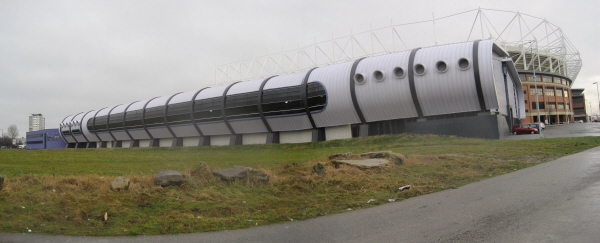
x=67, y=191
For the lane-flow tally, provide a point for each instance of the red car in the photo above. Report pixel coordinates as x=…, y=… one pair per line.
x=517, y=129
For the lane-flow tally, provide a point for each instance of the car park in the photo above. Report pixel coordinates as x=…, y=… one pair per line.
x=541, y=124
x=524, y=129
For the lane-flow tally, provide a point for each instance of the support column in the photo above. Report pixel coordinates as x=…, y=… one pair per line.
x=363, y=130
x=318, y=134
x=177, y=142
x=204, y=141
x=236, y=139
x=273, y=137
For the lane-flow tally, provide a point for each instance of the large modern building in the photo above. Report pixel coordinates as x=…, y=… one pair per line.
x=579, y=108
x=467, y=89
x=37, y=122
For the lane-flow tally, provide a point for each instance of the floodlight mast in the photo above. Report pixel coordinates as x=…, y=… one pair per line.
x=537, y=102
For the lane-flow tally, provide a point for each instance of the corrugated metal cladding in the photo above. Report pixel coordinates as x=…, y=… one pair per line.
x=211, y=92
x=439, y=92
x=339, y=109
x=245, y=87
x=487, y=78
x=452, y=91
x=160, y=132
x=138, y=134
x=185, y=131
x=183, y=97
x=136, y=105
x=119, y=109
x=160, y=101
x=388, y=99
x=105, y=136
x=120, y=135
x=248, y=126
x=289, y=123
x=90, y=115
x=499, y=86
x=216, y=128
x=285, y=81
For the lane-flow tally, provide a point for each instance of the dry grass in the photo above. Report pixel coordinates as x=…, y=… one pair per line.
x=75, y=203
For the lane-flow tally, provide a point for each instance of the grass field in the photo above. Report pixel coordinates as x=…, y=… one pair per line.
x=67, y=191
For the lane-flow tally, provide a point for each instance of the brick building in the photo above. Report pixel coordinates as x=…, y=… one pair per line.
x=554, y=97
x=579, y=109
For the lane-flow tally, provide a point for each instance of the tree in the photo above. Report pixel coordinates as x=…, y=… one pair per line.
x=13, y=132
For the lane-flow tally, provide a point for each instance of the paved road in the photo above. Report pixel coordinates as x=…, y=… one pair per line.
x=558, y=201
x=564, y=130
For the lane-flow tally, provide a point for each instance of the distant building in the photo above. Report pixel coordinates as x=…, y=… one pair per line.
x=37, y=122
x=44, y=139
x=579, y=109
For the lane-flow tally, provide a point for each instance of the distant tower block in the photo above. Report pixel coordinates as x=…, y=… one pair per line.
x=37, y=122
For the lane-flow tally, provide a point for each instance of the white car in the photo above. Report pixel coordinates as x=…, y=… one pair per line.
x=536, y=125
x=579, y=121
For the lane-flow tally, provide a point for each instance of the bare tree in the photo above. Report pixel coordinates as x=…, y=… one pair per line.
x=13, y=131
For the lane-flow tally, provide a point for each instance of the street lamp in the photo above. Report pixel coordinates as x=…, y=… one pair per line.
x=537, y=102
x=596, y=83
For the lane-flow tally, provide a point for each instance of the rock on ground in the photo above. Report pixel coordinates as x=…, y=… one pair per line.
x=340, y=156
x=242, y=173
x=168, y=178
x=120, y=183
x=364, y=163
x=319, y=169
x=203, y=170
x=393, y=157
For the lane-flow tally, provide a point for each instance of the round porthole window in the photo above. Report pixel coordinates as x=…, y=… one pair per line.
x=464, y=63
x=441, y=66
x=359, y=78
x=420, y=69
x=378, y=75
x=399, y=72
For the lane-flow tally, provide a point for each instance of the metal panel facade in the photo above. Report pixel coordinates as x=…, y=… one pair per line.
x=182, y=97
x=245, y=87
x=185, y=131
x=304, y=136
x=211, y=92
x=486, y=71
x=90, y=115
x=248, y=126
x=339, y=109
x=216, y=128
x=160, y=132
x=451, y=91
x=387, y=99
x=285, y=81
x=138, y=134
x=289, y=123
x=255, y=138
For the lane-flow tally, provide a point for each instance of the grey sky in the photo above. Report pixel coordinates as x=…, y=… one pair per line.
x=63, y=57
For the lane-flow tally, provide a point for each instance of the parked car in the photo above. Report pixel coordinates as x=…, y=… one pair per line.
x=579, y=121
x=518, y=129
x=534, y=125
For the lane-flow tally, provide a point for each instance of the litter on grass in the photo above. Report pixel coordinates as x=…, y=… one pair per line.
x=404, y=188
x=391, y=200
x=371, y=200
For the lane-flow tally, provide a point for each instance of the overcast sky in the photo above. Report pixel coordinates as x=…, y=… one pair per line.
x=64, y=57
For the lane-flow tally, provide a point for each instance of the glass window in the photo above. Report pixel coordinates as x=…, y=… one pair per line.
x=133, y=119
x=537, y=92
x=101, y=123
x=561, y=106
x=534, y=105
x=566, y=93
x=522, y=77
x=557, y=80
x=208, y=110
x=179, y=113
x=559, y=92
x=564, y=81
x=531, y=78
x=551, y=105
x=154, y=117
x=567, y=106
x=90, y=124
x=549, y=91
x=547, y=79
x=242, y=106
x=115, y=121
